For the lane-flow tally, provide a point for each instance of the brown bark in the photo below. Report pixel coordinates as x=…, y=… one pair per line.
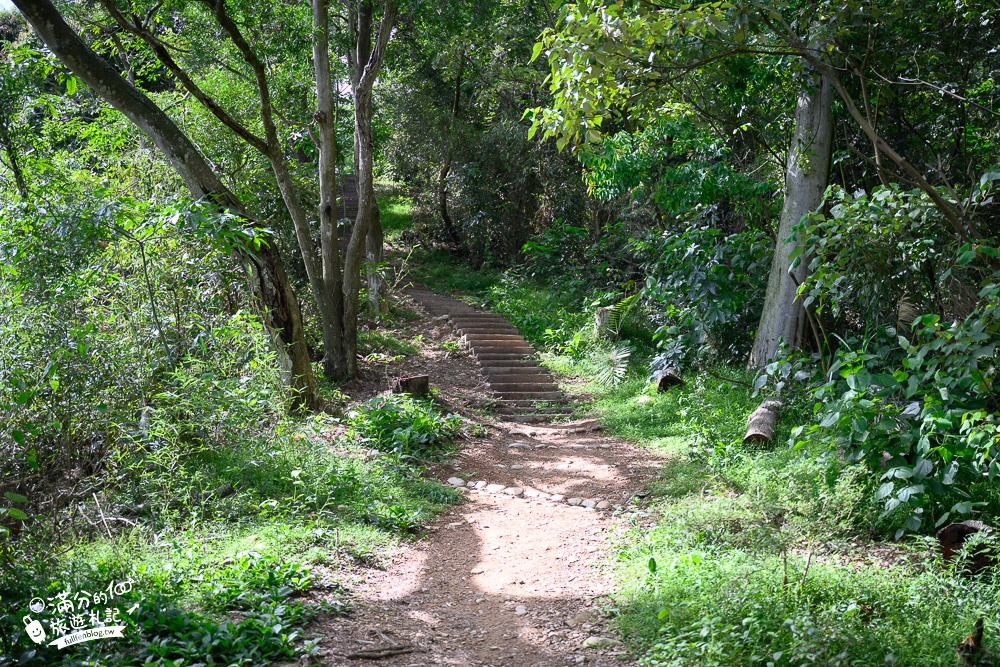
x=12, y=163
x=335, y=361
x=442, y=189
x=762, y=422
x=279, y=306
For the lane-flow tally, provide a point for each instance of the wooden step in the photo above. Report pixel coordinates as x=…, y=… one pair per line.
x=508, y=403
x=530, y=395
x=520, y=378
x=504, y=346
x=480, y=338
x=511, y=371
x=544, y=385
x=503, y=357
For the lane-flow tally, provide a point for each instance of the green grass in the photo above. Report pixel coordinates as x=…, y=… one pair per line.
x=396, y=215
x=707, y=583
x=440, y=270
x=222, y=581
x=742, y=555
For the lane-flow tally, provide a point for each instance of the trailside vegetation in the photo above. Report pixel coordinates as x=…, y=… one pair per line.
x=693, y=209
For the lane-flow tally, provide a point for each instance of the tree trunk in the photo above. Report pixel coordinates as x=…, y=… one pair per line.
x=365, y=61
x=334, y=360
x=279, y=306
x=378, y=289
x=15, y=167
x=442, y=189
x=806, y=177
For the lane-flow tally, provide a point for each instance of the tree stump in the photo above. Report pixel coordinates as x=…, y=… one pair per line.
x=761, y=422
x=414, y=385
x=602, y=321
x=951, y=537
x=667, y=379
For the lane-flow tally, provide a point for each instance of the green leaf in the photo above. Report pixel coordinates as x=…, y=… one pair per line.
x=652, y=565
x=17, y=514
x=15, y=497
x=536, y=51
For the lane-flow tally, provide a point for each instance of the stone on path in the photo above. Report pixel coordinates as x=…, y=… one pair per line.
x=585, y=616
x=520, y=610
x=481, y=485
x=558, y=497
x=519, y=445
x=601, y=642
x=514, y=491
x=575, y=501
x=589, y=504
x=456, y=481
x=603, y=505
x=493, y=488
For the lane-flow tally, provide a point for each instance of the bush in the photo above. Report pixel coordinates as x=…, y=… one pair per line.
x=406, y=427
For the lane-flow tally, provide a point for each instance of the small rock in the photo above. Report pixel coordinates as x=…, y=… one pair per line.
x=514, y=491
x=575, y=501
x=480, y=485
x=517, y=466
x=494, y=488
x=520, y=610
x=519, y=445
x=603, y=505
x=557, y=497
x=471, y=484
x=456, y=481
x=478, y=570
x=589, y=504
x=531, y=493
x=585, y=616
x=601, y=642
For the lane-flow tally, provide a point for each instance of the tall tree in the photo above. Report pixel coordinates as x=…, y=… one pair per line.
x=806, y=176
x=330, y=269
x=365, y=55
x=279, y=305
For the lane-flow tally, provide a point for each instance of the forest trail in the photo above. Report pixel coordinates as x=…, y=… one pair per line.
x=513, y=576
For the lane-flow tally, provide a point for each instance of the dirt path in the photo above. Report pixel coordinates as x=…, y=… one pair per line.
x=514, y=576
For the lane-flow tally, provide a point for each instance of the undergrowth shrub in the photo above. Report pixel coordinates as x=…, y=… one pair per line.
x=406, y=427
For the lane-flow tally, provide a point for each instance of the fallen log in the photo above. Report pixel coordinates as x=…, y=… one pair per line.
x=762, y=421
x=953, y=536
x=414, y=385
x=667, y=379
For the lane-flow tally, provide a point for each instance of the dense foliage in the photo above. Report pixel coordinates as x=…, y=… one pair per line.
x=614, y=177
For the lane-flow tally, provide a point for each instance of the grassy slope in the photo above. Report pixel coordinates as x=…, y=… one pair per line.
x=219, y=579
x=741, y=555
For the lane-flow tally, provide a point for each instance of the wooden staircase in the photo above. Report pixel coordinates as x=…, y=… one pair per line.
x=524, y=389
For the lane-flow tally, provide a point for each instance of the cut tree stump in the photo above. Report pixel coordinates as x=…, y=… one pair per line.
x=414, y=385
x=602, y=321
x=951, y=537
x=761, y=422
x=667, y=379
